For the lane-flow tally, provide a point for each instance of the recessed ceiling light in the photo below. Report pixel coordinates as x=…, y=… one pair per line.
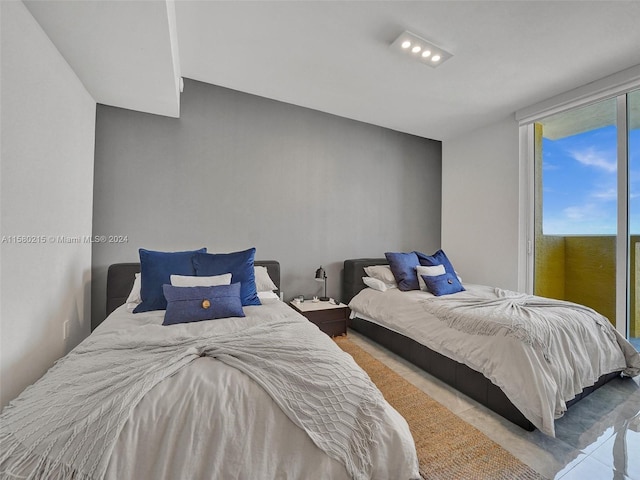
x=410, y=43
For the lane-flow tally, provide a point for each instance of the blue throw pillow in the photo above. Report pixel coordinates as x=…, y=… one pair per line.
x=403, y=266
x=194, y=304
x=238, y=264
x=443, y=284
x=438, y=258
x=156, y=269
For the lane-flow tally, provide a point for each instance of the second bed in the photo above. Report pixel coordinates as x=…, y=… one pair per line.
x=530, y=378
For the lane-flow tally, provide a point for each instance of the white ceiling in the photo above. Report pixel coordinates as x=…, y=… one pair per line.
x=334, y=56
x=120, y=50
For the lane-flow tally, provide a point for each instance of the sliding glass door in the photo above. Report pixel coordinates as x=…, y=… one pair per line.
x=587, y=209
x=576, y=207
x=633, y=115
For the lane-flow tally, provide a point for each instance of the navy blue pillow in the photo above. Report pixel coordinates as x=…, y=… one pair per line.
x=443, y=284
x=194, y=304
x=403, y=266
x=238, y=264
x=438, y=258
x=156, y=269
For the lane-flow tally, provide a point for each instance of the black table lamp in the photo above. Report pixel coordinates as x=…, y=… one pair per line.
x=321, y=275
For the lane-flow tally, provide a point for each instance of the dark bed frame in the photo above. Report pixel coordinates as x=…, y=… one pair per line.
x=120, y=277
x=468, y=381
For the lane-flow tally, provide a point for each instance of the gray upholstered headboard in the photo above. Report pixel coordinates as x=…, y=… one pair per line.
x=352, y=275
x=120, y=277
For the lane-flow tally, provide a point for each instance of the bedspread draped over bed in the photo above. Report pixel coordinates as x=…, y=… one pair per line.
x=540, y=352
x=68, y=424
x=536, y=321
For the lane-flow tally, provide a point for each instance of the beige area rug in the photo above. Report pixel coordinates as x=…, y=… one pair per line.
x=448, y=447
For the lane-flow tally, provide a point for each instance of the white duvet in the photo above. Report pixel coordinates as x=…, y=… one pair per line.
x=211, y=421
x=539, y=388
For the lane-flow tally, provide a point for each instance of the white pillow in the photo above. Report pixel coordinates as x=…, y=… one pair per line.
x=263, y=280
x=376, y=284
x=268, y=295
x=433, y=271
x=192, y=281
x=382, y=273
x=134, y=296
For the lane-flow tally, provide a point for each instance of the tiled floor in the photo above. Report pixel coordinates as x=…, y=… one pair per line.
x=598, y=438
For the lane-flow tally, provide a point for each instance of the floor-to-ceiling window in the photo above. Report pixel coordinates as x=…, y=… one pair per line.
x=633, y=153
x=584, y=248
x=576, y=206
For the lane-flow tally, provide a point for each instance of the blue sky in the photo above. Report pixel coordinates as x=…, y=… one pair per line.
x=580, y=183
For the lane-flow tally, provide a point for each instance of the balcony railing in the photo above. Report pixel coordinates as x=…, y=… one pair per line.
x=582, y=269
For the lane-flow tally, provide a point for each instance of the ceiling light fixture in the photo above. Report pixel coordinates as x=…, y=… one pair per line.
x=410, y=43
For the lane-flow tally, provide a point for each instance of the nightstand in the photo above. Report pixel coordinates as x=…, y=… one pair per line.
x=330, y=318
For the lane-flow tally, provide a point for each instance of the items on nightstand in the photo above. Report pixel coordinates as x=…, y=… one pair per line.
x=331, y=318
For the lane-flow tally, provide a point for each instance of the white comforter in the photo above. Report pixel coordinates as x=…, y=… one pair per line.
x=537, y=387
x=210, y=420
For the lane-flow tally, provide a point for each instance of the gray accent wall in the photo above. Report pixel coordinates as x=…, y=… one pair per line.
x=238, y=171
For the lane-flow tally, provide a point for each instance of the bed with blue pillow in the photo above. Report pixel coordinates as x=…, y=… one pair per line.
x=200, y=371
x=476, y=338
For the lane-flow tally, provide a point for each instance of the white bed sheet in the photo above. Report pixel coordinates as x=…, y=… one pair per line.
x=212, y=421
x=539, y=389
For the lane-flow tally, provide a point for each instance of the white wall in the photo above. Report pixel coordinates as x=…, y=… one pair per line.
x=480, y=197
x=48, y=129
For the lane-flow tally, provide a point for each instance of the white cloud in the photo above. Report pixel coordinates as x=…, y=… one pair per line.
x=587, y=219
x=606, y=195
x=594, y=158
x=578, y=212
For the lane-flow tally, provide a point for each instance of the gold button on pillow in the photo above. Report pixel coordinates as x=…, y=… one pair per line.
x=206, y=303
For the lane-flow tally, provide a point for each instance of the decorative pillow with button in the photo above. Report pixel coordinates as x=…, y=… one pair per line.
x=443, y=284
x=194, y=304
